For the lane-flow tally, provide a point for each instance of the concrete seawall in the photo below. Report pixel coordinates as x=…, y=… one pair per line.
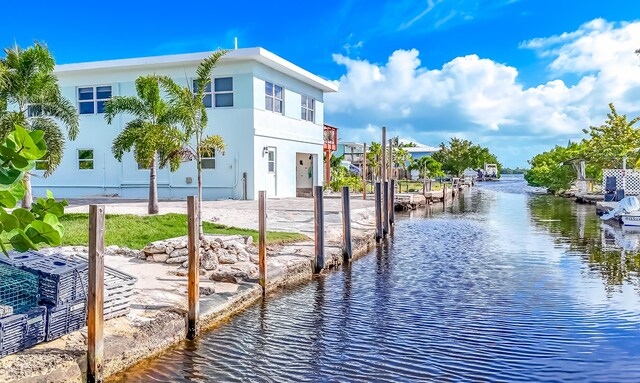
x=158, y=310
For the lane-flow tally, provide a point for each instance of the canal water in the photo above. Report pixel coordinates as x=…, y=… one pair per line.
x=503, y=284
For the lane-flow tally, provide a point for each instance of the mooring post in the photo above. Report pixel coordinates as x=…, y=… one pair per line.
x=444, y=192
x=392, y=203
x=318, y=229
x=95, y=304
x=193, y=248
x=378, y=202
x=346, y=224
x=392, y=172
x=262, y=238
x=364, y=172
x=384, y=154
x=385, y=208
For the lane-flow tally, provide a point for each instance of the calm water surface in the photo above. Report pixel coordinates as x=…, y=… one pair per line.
x=501, y=285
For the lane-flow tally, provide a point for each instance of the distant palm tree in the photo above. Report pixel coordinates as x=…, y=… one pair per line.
x=30, y=96
x=150, y=134
x=193, y=117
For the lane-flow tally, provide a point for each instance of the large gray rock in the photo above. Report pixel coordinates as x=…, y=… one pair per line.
x=181, y=244
x=227, y=258
x=179, y=253
x=227, y=240
x=160, y=257
x=248, y=240
x=209, y=260
x=243, y=256
x=177, y=259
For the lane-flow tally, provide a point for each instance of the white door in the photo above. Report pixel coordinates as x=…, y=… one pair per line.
x=271, y=173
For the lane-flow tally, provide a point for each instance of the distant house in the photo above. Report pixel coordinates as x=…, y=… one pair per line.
x=419, y=151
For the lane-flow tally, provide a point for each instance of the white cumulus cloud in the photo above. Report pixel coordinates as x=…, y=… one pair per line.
x=485, y=101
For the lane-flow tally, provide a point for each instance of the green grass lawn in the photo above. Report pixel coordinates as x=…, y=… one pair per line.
x=136, y=232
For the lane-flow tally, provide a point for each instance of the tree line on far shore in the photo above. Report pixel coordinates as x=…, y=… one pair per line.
x=452, y=159
x=604, y=148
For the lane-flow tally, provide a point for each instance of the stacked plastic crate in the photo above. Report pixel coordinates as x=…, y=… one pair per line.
x=63, y=290
x=22, y=321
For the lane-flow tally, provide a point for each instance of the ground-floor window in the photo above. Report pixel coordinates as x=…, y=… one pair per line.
x=42, y=164
x=209, y=160
x=85, y=159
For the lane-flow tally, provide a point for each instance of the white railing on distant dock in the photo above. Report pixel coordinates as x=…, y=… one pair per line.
x=632, y=183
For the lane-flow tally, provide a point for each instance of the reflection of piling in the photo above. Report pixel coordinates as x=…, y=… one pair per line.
x=378, y=203
x=318, y=211
x=262, y=238
x=346, y=224
x=95, y=302
x=392, y=203
x=193, y=248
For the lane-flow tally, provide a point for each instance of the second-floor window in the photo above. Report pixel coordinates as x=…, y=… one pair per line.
x=207, y=100
x=273, y=97
x=91, y=99
x=308, y=108
x=223, y=91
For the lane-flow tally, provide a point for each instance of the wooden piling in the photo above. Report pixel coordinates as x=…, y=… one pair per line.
x=384, y=154
x=378, y=203
x=95, y=303
x=385, y=208
x=364, y=172
x=262, y=239
x=391, y=167
x=392, y=203
x=193, y=248
x=318, y=229
x=346, y=224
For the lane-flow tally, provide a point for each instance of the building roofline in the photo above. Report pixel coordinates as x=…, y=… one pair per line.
x=258, y=54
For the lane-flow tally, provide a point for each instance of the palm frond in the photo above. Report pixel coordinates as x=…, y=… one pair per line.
x=126, y=140
x=54, y=138
x=124, y=104
x=203, y=73
x=61, y=109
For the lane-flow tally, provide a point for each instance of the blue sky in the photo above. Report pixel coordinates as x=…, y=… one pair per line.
x=488, y=70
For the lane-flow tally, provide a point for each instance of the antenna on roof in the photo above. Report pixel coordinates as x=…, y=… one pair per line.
x=235, y=42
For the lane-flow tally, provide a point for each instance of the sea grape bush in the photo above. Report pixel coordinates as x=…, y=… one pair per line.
x=20, y=228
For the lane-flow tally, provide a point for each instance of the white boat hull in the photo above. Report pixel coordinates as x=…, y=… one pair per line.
x=630, y=219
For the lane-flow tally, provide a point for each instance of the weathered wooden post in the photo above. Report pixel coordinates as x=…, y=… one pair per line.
x=378, y=202
x=193, y=248
x=346, y=224
x=385, y=208
x=384, y=154
x=262, y=238
x=318, y=229
x=391, y=167
x=444, y=192
x=392, y=202
x=95, y=304
x=364, y=172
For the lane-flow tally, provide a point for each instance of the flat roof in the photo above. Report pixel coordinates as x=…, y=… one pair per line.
x=258, y=54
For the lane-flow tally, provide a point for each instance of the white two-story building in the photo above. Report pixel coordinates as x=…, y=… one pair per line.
x=268, y=111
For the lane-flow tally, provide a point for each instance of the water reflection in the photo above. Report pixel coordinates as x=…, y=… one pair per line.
x=611, y=251
x=504, y=287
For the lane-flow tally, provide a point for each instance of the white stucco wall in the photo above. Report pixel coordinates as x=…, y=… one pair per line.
x=246, y=128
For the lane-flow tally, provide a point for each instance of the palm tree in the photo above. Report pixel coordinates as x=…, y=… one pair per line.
x=151, y=133
x=29, y=87
x=189, y=103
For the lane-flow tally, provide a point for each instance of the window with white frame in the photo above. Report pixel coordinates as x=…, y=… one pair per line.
x=308, y=108
x=209, y=160
x=271, y=159
x=207, y=99
x=85, y=159
x=223, y=91
x=273, y=97
x=91, y=99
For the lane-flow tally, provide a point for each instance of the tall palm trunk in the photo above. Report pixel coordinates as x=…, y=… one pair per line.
x=28, y=195
x=153, y=188
x=200, y=230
